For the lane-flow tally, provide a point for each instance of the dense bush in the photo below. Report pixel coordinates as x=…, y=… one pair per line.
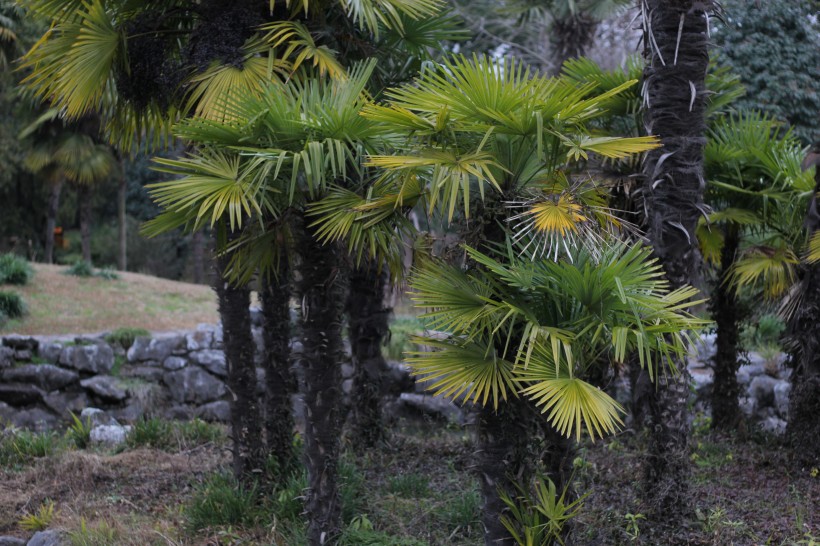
x=80, y=268
x=775, y=49
x=12, y=305
x=14, y=269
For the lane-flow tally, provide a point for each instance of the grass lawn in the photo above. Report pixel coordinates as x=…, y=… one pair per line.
x=65, y=304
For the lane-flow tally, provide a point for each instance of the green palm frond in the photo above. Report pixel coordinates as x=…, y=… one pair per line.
x=214, y=183
x=813, y=255
x=573, y=404
x=371, y=14
x=300, y=47
x=469, y=370
x=772, y=268
x=72, y=64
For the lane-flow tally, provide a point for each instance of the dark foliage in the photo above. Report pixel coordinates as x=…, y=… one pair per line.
x=775, y=49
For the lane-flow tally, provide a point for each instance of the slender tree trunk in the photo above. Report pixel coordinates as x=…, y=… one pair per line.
x=122, y=226
x=279, y=381
x=803, y=428
x=198, y=252
x=675, y=47
x=727, y=315
x=503, y=460
x=84, y=196
x=368, y=325
x=51, y=219
x=571, y=37
x=322, y=294
x=246, y=422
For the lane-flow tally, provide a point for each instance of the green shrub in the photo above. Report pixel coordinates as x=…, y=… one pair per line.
x=222, y=501
x=14, y=270
x=764, y=334
x=360, y=532
x=79, y=432
x=462, y=512
x=12, y=304
x=18, y=447
x=39, y=520
x=195, y=433
x=151, y=432
x=288, y=501
x=107, y=273
x=352, y=490
x=125, y=337
x=80, y=269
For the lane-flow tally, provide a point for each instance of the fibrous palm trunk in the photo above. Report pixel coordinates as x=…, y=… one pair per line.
x=571, y=37
x=675, y=47
x=279, y=381
x=84, y=197
x=726, y=313
x=321, y=291
x=122, y=234
x=51, y=219
x=246, y=422
x=368, y=326
x=803, y=428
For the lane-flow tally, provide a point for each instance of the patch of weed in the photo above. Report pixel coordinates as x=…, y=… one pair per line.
x=462, y=512
x=101, y=534
x=361, y=532
x=197, y=432
x=151, y=432
x=352, y=490
x=409, y=485
x=222, y=501
x=125, y=337
x=14, y=269
x=12, y=304
x=79, y=432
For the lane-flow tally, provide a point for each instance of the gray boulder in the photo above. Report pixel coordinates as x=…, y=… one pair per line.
x=34, y=419
x=49, y=538
x=179, y=413
x=21, y=343
x=219, y=411
x=174, y=363
x=12, y=541
x=97, y=417
x=200, y=339
x=703, y=378
x=782, y=390
x=257, y=317
x=773, y=425
x=106, y=387
x=762, y=389
x=20, y=394
x=22, y=355
x=6, y=357
x=147, y=373
x=50, y=352
x=6, y=413
x=109, y=435
x=46, y=376
x=193, y=385
x=434, y=406
x=96, y=358
x=158, y=348
x=63, y=402
x=211, y=360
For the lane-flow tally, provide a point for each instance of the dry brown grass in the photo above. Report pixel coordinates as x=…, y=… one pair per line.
x=63, y=304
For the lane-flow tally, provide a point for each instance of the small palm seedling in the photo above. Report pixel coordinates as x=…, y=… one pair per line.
x=39, y=520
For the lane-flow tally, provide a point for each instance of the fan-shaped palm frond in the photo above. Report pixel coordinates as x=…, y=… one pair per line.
x=772, y=267
x=543, y=325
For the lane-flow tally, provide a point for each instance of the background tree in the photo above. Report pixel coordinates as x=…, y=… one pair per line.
x=775, y=49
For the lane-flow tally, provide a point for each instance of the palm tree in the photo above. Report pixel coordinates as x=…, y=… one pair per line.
x=10, y=15
x=535, y=330
x=674, y=100
x=755, y=185
x=488, y=139
x=63, y=151
x=804, y=418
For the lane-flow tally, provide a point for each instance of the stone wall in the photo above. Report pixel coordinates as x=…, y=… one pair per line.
x=181, y=375
x=175, y=375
